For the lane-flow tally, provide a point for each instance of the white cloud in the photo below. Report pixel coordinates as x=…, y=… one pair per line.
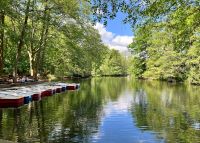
x=120, y=106
x=114, y=41
x=105, y=35
x=122, y=40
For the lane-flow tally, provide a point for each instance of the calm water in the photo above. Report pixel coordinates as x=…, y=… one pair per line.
x=108, y=110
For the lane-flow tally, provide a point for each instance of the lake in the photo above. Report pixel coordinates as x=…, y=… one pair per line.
x=109, y=110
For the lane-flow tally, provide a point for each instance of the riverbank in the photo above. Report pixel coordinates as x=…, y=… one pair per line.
x=26, y=83
x=172, y=81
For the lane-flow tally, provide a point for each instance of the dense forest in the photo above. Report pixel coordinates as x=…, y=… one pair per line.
x=39, y=38
x=166, y=36
x=168, y=48
x=57, y=37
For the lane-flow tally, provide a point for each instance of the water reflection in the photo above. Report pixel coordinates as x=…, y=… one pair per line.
x=171, y=110
x=108, y=110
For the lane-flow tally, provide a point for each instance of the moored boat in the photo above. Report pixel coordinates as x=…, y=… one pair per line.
x=36, y=92
x=7, y=101
x=36, y=97
x=27, y=96
x=53, y=88
x=44, y=90
x=47, y=92
x=63, y=86
x=77, y=85
x=71, y=86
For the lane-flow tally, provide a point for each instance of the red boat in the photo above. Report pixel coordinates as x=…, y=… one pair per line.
x=36, y=97
x=58, y=90
x=47, y=92
x=71, y=87
x=10, y=101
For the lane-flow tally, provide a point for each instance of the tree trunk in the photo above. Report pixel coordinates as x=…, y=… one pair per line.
x=43, y=47
x=42, y=42
x=21, y=42
x=2, y=19
x=32, y=62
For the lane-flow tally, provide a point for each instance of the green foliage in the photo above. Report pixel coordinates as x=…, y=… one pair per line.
x=114, y=64
x=168, y=46
x=193, y=63
x=163, y=63
x=137, y=67
x=139, y=12
x=169, y=66
x=139, y=51
x=166, y=36
x=58, y=38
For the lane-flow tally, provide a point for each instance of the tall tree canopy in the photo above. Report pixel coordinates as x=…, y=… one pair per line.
x=40, y=37
x=166, y=36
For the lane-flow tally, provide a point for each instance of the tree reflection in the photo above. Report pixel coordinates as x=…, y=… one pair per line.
x=67, y=117
x=169, y=109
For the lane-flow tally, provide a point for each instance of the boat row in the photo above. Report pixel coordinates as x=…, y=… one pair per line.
x=18, y=96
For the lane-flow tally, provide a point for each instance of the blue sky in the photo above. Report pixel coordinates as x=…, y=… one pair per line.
x=116, y=35
x=118, y=27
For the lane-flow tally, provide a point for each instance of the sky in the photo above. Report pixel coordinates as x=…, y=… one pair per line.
x=116, y=35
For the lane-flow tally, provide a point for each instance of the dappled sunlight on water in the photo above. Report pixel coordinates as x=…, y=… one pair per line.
x=109, y=110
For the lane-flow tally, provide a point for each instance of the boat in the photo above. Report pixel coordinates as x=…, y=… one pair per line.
x=44, y=90
x=62, y=85
x=35, y=94
x=32, y=93
x=27, y=96
x=36, y=97
x=71, y=86
x=78, y=85
x=47, y=92
x=55, y=89
x=7, y=101
x=58, y=89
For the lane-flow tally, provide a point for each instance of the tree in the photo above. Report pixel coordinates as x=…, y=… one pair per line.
x=2, y=21
x=138, y=49
x=42, y=37
x=161, y=45
x=193, y=61
x=3, y=11
x=21, y=40
x=113, y=65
